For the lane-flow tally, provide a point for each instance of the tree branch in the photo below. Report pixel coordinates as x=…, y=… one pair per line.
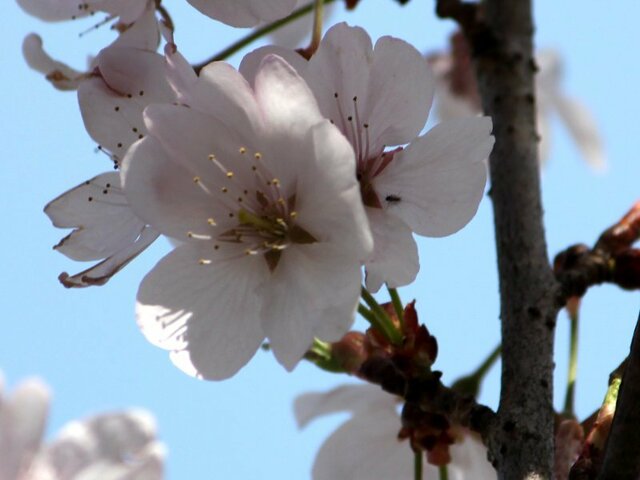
x=501, y=38
x=622, y=450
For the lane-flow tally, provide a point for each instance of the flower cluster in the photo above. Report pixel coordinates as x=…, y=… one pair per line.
x=282, y=185
x=117, y=445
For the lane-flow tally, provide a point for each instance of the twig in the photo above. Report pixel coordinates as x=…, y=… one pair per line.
x=622, y=450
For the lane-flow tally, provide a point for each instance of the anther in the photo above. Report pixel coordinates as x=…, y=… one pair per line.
x=196, y=179
x=257, y=155
x=224, y=189
x=293, y=214
x=204, y=261
x=211, y=221
x=212, y=157
x=242, y=150
x=229, y=174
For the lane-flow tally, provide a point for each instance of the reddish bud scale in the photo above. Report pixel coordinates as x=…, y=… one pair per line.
x=623, y=234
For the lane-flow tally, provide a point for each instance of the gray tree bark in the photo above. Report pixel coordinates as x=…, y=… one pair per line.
x=500, y=33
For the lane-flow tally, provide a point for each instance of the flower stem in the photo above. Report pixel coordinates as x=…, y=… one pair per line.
x=569, y=401
x=321, y=355
x=470, y=384
x=257, y=34
x=382, y=321
x=444, y=472
x=397, y=305
x=316, y=35
x=417, y=466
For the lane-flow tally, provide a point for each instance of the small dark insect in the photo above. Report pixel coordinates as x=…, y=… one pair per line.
x=392, y=198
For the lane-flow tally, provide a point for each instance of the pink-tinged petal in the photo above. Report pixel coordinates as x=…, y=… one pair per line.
x=308, y=281
x=102, y=272
x=284, y=98
x=129, y=71
x=164, y=195
x=244, y=13
x=23, y=419
x=121, y=435
x=224, y=93
x=59, y=74
x=189, y=137
x=367, y=448
x=210, y=310
x=400, y=93
x=346, y=398
x=180, y=73
x=251, y=62
x=395, y=254
x=54, y=10
x=331, y=208
x=60, y=10
x=583, y=129
x=143, y=33
x=437, y=182
x=112, y=104
x=341, y=65
x=100, y=215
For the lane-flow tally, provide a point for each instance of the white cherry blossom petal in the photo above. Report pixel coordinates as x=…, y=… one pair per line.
x=102, y=272
x=367, y=448
x=583, y=129
x=220, y=88
x=210, y=309
x=23, y=419
x=438, y=181
x=395, y=255
x=61, y=10
x=143, y=33
x=244, y=13
x=100, y=215
x=112, y=103
x=345, y=398
x=59, y=74
x=400, y=93
x=341, y=65
x=285, y=100
x=329, y=181
x=296, y=303
x=164, y=194
x=250, y=63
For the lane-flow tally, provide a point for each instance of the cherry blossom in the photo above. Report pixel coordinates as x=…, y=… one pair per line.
x=245, y=13
x=137, y=27
x=457, y=96
x=367, y=446
x=117, y=445
x=111, y=102
x=258, y=190
x=380, y=97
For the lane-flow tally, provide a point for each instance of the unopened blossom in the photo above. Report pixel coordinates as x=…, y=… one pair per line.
x=380, y=98
x=111, y=102
x=254, y=187
x=245, y=13
x=116, y=446
x=367, y=447
x=136, y=25
x=457, y=95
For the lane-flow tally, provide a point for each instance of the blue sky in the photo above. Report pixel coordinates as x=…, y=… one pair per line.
x=87, y=347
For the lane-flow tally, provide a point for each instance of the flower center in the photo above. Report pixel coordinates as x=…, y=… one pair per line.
x=370, y=159
x=266, y=216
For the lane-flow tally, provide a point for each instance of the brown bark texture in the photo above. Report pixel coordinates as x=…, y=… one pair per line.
x=500, y=33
